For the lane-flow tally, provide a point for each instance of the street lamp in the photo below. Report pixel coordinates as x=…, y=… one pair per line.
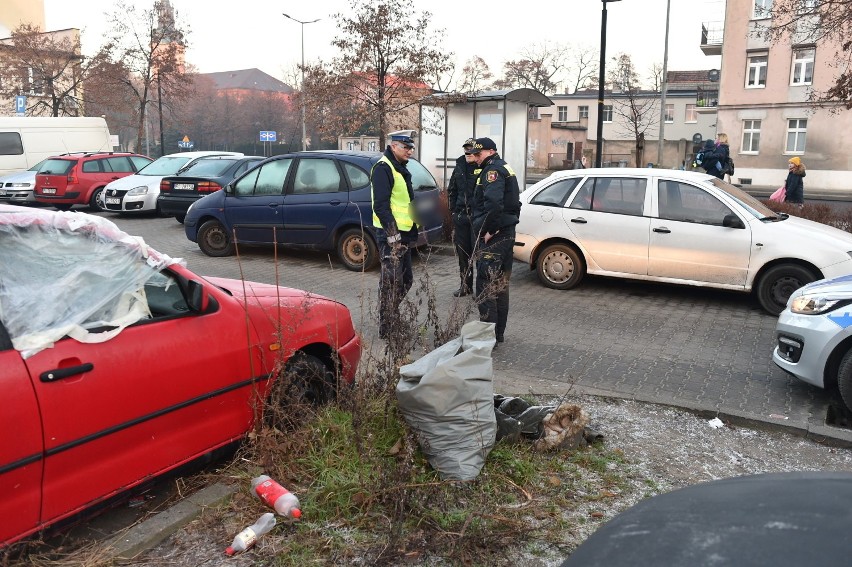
x=302, y=88
x=662, y=140
x=601, y=84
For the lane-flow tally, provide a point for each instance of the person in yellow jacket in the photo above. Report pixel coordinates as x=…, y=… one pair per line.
x=396, y=229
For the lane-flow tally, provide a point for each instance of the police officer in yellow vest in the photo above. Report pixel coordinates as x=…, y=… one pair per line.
x=496, y=211
x=396, y=230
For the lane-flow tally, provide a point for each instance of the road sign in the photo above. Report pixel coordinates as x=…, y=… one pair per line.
x=20, y=105
x=268, y=135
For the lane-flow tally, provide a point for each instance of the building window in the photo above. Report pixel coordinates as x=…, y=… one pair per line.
x=756, y=78
x=583, y=111
x=607, y=113
x=669, y=113
x=562, y=113
x=803, y=66
x=690, y=115
x=762, y=9
x=372, y=146
x=751, y=136
x=797, y=131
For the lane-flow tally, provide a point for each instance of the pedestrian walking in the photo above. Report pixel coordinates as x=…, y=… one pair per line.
x=396, y=231
x=723, y=150
x=795, y=185
x=496, y=211
x=460, y=202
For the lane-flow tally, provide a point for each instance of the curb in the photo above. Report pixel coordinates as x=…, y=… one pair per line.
x=154, y=530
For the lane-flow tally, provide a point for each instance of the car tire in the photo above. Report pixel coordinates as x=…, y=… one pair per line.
x=778, y=283
x=214, y=240
x=96, y=201
x=844, y=379
x=180, y=218
x=304, y=381
x=356, y=250
x=560, y=267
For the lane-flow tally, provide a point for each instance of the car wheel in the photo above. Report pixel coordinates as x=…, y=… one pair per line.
x=560, y=267
x=356, y=250
x=778, y=283
x=844, y=379
x=304, y=381
x=180, y=218
x=214, y=240
x=96, y=201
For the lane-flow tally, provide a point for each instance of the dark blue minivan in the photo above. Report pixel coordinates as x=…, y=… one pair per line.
x=317, y=199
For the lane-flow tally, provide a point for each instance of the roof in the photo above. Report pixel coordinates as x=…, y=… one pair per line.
x=531, y=97
x=249, y=79
x=689, y=77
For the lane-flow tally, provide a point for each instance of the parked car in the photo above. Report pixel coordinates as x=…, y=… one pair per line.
x=815, y=336
x=124, y=365
x=202, y=177
x=79, y=179
x=672, y=226
x=17, y=188
x=138, y=193
x=319, y=199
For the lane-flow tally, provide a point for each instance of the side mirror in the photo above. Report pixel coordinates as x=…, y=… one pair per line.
x=199, y=299
x=732, y=221
x=229, y=189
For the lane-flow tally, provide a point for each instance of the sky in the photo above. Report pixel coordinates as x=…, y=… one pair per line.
x=253, y=33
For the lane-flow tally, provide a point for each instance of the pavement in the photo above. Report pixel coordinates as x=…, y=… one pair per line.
x=706, y=351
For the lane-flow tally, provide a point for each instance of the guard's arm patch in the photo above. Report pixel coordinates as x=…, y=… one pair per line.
x=491, y=176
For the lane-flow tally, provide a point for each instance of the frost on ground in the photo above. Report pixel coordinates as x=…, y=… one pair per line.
x=664, y=449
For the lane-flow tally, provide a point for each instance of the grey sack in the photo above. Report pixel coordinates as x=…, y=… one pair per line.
x=447, y=397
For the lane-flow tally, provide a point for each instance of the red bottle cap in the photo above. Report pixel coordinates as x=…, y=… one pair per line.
x=229, y=550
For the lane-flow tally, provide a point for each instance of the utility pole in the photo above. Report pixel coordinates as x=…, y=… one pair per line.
x=302, y=88
x=661, y=142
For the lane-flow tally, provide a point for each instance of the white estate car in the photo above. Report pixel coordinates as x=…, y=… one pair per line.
x=138, y=193
x=672, y=226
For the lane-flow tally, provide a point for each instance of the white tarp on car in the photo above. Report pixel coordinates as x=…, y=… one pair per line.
x=66, y=273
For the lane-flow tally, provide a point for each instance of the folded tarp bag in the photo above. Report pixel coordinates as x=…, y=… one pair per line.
x=447, y=398
x=779, y=195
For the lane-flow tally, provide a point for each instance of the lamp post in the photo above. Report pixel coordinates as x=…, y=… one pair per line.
x=662, y=141
x=601, y=84
x=302, y=88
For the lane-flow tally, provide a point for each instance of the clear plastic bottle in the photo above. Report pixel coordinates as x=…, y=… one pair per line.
x=276, y=496
x=248, y=537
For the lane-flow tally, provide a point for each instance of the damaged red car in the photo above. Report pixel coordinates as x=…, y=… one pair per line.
x=118, y=364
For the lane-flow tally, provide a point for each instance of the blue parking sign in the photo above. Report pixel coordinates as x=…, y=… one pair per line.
x=268, y=135
x=20, y=104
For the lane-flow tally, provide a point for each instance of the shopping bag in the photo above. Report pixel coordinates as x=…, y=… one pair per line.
x=780, y=195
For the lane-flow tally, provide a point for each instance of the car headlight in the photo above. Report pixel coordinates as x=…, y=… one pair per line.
x=813, y=304
x=138, y=190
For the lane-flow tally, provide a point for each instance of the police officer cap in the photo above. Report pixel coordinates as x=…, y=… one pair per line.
x=403, y=139
x=483, y=144
x=469, y=143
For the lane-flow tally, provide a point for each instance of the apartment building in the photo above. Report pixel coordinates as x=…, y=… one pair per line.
x=764, y=108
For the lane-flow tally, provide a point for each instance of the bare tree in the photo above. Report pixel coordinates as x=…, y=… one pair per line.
x=637, y=108
x=150, y=46
x=583, y=69
x=48, y=66
x=387, y=53
x=824, y=23
x=475, y=76
x=655, y=75
x=538, y=68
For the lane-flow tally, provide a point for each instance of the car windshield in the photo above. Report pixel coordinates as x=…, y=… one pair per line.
x=208, y=167
x=57, y=166
x=421, y=179
x=166, y=165
x=749, y=203
x=37, y=166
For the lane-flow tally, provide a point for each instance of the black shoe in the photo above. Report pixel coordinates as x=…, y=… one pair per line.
x=461, y=292
x=500, y=338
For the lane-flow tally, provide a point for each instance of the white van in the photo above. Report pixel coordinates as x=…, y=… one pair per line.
x=25, y=141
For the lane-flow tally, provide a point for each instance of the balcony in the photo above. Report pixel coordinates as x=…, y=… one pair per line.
x=712, y=34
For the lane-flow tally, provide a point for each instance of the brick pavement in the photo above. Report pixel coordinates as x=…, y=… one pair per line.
x=703, y=350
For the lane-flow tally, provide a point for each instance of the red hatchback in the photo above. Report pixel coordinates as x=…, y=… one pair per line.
x=79, y=179
x=123, y=364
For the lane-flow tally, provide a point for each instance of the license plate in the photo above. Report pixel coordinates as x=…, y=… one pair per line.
x=183, y=186
x=112, y=200
x=49, y=190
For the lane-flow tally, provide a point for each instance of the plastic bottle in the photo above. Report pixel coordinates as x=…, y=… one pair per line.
x=248, y=537
x=279, y=498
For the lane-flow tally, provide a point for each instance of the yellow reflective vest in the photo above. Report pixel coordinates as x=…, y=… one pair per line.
x=400, y=204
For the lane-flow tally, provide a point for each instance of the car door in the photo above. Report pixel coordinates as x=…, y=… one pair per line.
x=161, y=392
x=316, y=198
x=689, y=242
x=254, y=208
x=22, y=448
x=606, y=215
